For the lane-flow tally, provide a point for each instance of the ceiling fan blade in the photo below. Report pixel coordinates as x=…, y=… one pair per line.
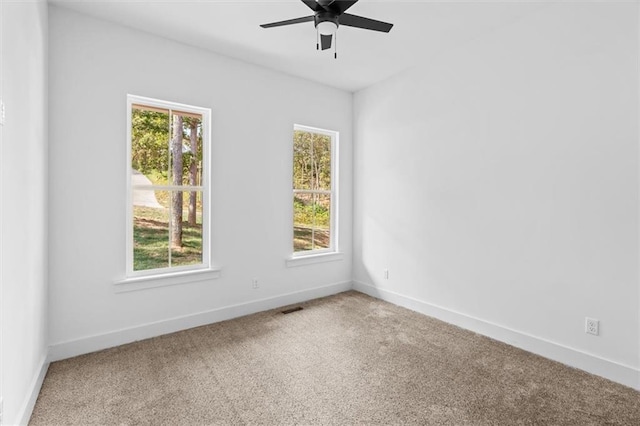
x=325, y=41
x=313, y=5
x=341, y=6
x=288, y=22
x=365, y=23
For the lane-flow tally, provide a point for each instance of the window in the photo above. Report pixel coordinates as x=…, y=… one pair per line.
x=314, y=191
x=168, y=214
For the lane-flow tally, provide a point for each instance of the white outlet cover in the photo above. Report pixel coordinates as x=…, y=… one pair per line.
x=592, y=326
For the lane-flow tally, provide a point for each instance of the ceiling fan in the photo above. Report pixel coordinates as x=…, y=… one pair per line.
x=328, y=16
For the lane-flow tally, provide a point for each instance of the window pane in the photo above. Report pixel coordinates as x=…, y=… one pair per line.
x=150, y=232
x=321, y=162
x=302, y=166
x=303, y=218
x=192, y=151
x=149, y=147
x=186, y=247
x=322, y=211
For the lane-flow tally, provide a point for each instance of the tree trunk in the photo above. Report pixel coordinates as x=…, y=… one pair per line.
x=193, y=171
x=315, y=165
x=176, y=199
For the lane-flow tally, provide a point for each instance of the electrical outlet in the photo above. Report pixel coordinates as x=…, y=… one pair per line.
x=2, y=113
x=254, y=283
x=591, y=326
x=386, y=274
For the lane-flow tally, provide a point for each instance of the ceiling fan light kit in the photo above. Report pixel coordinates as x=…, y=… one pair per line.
x=327, y=28
x=328, y=16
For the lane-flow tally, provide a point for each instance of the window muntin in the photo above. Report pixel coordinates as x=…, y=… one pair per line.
x=168, y=189
x=314, y=188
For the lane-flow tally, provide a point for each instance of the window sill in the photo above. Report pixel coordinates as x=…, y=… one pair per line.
x=313, y=258
x=175, y=278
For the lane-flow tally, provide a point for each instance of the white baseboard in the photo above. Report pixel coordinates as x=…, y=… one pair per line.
x=608, y=369
x=34, y=390
x=114, y=338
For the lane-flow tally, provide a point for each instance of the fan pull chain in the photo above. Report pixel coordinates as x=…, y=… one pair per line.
x=335, y=45
x=317, y=39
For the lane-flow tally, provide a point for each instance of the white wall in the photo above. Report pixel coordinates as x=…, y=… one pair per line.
x=498, y=183
x=93, y=65
x=23, y=146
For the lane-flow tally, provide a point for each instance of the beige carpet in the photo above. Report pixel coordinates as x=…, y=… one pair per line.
x=345, y=359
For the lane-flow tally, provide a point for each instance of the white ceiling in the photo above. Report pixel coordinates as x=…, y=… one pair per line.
x=423, y=29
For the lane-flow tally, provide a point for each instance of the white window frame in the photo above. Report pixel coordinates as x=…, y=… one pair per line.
x=325, y=254
x=175, y=274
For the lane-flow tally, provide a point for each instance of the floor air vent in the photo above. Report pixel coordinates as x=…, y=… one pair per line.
x=291, y=310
